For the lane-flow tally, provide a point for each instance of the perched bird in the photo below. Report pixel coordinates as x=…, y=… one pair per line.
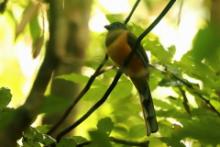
x=119, y=43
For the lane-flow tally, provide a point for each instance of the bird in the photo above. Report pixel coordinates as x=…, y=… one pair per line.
x=119, y=43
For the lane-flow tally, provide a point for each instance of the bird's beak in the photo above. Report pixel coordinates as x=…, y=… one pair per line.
x=107, y=27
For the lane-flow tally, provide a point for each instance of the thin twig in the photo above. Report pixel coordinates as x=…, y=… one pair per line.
x=113, y=84
x=185, y=100
x=81, y=94
x=121, y=141
x=117, y=76
x=89, y=83
x=92, y=109
x=190, y=87
x=132, y=11
x=195, y=91
x=180, y=12
x=156, y=21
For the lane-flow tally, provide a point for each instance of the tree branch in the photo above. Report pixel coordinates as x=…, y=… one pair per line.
x=117, y=76
x=195, y=92
x=80, y=95
x=156, y=21
x=121, y=141
x=185, y=100
x=92, y=109
x=3, y=6
x=132, y=11
x=89, y=83
x=190, y=87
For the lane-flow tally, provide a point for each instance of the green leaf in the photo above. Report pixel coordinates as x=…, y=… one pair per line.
x=122, y=89
x=32, y=137
x=99, y=139
x=136, y=29
x=74, y=77
x=37, y=36
x=105, y=125
x=206, y=43
x=53, y=104
x=43, y=129
x=114, y=18
x=35, y=29
x=37, y=46
x=66, y=142
x=202, y=127
x=119, y=129
x=6, y=116
x=5, y=97
x=28, y=14
x=79, y=139
x=47, y=140
x=95, y=93
x=153, y=44
x=216, y=104
x=137, y=131
x=172, y=50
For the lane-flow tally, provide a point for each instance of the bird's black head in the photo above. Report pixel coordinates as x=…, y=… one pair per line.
x=115, y=25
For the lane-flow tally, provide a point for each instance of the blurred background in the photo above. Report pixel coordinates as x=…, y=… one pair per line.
x=188, y=35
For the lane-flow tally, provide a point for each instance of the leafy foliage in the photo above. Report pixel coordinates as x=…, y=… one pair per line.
x=35, y=137
x=190, y=115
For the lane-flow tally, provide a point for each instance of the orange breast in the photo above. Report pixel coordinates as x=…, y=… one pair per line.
x=119, y=51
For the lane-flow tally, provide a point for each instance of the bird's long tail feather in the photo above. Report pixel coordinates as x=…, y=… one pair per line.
x=147, y=104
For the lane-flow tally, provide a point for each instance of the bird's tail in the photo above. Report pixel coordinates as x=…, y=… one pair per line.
x=147, y=104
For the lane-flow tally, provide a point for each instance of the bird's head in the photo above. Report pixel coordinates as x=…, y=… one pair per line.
x=115, y=26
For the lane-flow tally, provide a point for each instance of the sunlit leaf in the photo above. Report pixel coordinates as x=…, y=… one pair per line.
x=28, y=14
x=35, y=29
x=37, y=46
x=119, y=129
x=122, y=89
x=137, y=131
x=37, y=36
x=74, y=77
x=206, y=43
x=114, y=17
x=157, y=50
x=136, y=29
x=95, y=93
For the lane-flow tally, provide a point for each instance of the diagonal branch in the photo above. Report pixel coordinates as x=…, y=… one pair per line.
x=132, y=11
x=156, y=21
x=92, y=109
x=81, y=94
x=195, y=91
x=3, y=6
x=185, y=100
x=189, y=86
x=117, y=76
x=121, y=141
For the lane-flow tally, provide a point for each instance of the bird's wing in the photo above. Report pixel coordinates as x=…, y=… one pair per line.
x=140, y=50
